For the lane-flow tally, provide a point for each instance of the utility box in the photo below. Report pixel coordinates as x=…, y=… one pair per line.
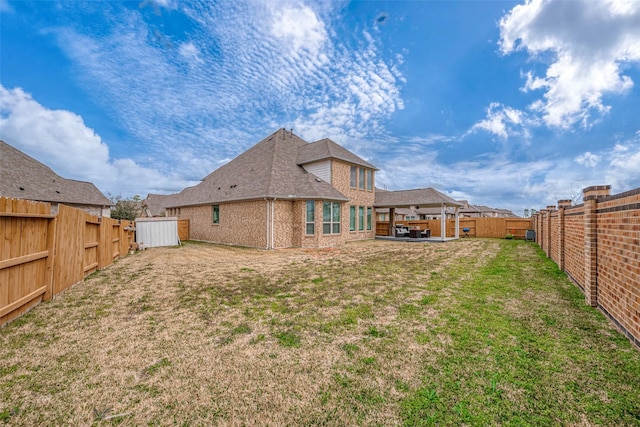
x=155, y=232
x=530, y=235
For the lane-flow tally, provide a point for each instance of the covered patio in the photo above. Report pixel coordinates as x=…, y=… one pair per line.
x=418, y=198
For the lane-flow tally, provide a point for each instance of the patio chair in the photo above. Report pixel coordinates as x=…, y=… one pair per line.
x=402, y=232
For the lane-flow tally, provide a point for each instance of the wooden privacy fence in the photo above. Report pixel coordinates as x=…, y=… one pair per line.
x=183, y=229
x=478, y=227
x=42, y=254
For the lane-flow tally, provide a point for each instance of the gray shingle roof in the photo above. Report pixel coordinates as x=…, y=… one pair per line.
x=327, y=149
x=268, y=169
x=425, y=197
x=155, y=203
x=24, y=177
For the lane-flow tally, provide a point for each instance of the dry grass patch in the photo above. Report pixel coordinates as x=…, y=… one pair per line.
x=375, y=333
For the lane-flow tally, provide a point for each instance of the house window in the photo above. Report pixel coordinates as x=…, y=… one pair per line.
x=383, y=217
x=331, y=218
x=216, y=214
x=369, y=216
x=352, y=218
x=369, y=179
x=361, y=182
x=361, y=218
x=311, y=217
x=354, y=176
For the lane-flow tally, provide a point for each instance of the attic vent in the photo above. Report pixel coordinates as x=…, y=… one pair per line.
x=21, y=188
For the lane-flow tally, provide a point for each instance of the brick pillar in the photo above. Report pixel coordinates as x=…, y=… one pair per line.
x=591, y=196
x=547, y=229
x=562, y=205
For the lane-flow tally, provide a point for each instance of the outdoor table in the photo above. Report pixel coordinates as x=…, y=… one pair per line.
x=414, y=234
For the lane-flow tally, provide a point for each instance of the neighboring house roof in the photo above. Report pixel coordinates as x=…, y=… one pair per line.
x=269, y=169
x=327, y=149
x=426, y=197
x=485, y=210
x=154, y=204
x=24, y=177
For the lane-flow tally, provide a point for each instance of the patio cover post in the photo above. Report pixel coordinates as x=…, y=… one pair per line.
x=443, y=223
x=456, y=210
x=392, y=222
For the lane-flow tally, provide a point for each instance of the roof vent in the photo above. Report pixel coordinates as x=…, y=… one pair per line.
x=21, y=188
x=318, y=179
x=57, y=192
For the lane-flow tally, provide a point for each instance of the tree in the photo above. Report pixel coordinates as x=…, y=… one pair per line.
x=573, y=192
x=128, y=209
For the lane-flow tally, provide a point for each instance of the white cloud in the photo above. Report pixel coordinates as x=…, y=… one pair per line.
x=299, y=27
x=623, y=172
x=591, y=43
x=587, y=159
x=61, y=140
x=494, y=181
x=503, y=121
x=259, y=66
x=190, y=52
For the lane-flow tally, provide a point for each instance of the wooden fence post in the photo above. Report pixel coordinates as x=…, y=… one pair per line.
x=50, y=262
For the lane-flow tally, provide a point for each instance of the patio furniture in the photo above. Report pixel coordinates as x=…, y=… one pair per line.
x=426, y=233
x=402, y=231
x=415, y=234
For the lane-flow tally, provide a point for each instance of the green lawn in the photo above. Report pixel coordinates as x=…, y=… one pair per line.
x=470, y=332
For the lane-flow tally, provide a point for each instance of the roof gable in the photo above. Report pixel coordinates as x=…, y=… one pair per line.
x=327, y=149
x=23, y=177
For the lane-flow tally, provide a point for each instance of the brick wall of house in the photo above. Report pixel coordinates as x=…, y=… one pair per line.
x=598, y=245
x=241, y=223
x=284, y=223
x=341, y=180
x=98, y=211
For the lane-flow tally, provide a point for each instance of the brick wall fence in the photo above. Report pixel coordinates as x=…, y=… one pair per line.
x=597, y=244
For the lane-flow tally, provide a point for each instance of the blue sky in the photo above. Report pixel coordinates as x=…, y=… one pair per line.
x=506, y=104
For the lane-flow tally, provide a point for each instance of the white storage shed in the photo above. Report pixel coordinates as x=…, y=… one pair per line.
x=154, y=232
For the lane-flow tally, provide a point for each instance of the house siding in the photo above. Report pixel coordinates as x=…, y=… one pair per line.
x=320, y=169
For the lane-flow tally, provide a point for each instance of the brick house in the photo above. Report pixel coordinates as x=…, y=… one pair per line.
x=23, y=177
x=283, y=192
